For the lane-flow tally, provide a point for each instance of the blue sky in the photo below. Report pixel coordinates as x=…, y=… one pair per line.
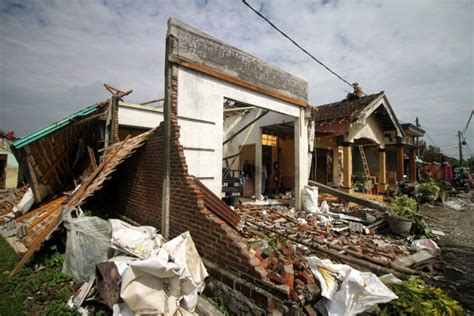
x=55, y=55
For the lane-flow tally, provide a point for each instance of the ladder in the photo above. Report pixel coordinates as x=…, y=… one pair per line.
x=364, y=163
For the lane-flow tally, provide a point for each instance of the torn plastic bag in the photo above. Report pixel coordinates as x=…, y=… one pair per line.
x=167, y=281
x=425, y=244
x=347, y=291
x=310, y=199
x=140, y=241
x=88, y=243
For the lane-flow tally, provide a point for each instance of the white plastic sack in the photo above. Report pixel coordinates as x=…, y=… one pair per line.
x=25, y=203
x=425, y=244
x=310, y=199
x=347, y=291
x=167, y=281
x=324, y=207
x=88, y=243
x=142, y=241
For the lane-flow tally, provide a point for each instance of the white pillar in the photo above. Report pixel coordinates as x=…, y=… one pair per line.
x=301, y=157
x=258, y=164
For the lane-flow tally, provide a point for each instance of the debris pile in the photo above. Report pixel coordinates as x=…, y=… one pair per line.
x=132, y=269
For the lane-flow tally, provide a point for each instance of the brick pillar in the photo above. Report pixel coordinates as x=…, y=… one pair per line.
x=382, y=171
x=400, y=166
x=412, y=165
x=347, y=165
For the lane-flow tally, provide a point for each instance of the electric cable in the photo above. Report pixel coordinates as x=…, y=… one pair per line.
x=296, y=44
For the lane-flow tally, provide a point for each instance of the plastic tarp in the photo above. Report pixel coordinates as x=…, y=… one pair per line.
x=139, y=241
x=88, y=242
x=347, y=291
x=166, y=282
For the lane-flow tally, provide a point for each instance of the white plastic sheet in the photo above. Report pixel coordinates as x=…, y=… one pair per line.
x=310, y=199
x=167, y=281
x=425, y=244
x=25, y=203
x=347, y=291
x=88, y=243
x=142, y=241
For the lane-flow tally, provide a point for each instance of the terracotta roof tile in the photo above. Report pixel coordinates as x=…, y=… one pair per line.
x=343, y=111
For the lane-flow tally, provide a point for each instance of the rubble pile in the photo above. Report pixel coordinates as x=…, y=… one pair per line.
x=336, y=235
x=8, y=203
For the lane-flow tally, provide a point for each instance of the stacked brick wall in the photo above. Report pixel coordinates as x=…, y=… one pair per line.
x=139, y=195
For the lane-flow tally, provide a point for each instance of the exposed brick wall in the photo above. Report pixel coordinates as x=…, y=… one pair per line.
x=139, y=198
x=138, y=184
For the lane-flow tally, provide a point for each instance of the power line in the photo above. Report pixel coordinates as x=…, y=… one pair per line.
x=296, y=44
x=468, y=121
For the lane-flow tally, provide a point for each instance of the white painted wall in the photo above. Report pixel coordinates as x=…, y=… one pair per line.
x=200, y=116
x=202, y=97
x=139, y=115
x=371, y=129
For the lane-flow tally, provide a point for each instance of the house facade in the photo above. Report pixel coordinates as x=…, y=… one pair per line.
x=360, y=138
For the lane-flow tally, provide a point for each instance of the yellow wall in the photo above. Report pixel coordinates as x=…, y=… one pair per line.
x=287, y=162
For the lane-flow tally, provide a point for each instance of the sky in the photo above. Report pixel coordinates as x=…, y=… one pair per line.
x=56, y=55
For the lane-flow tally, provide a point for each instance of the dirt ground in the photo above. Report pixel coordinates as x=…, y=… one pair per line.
x=457, y=248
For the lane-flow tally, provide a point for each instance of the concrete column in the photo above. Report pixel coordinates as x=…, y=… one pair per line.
x=400, y=166
x=382, y=187
x=412, y=165
x=258, y=164
x=347, y=165
x=335, y=165
x=301, y=158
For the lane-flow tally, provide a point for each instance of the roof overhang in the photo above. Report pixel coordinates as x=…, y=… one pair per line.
x=381, y=101
x=413, y=130
x=333, y=129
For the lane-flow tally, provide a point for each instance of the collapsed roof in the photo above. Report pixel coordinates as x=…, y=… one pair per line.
x=52, y=158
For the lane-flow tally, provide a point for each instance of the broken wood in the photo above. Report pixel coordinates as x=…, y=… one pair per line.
x=394, y=269
x=347, y=197
x=152, y=101
x=245, y=127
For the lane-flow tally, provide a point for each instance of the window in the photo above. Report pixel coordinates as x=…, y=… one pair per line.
x=269, y=140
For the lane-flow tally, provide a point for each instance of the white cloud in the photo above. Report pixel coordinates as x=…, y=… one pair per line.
x=54, y=55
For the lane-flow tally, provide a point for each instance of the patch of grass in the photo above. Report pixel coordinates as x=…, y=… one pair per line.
x=38, y=288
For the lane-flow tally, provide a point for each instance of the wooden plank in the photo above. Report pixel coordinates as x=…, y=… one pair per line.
x=226, y=77
x=348, y=197
x=37, y=243
x=41, y=208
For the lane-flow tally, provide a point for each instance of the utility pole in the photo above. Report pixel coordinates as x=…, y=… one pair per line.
x=460, y=147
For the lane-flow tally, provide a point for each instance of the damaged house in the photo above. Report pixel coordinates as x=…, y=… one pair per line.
x=361, y=137
x=226, y=114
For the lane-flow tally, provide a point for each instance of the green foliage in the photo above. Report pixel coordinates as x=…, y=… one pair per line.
x=407, y=207
x=218, y=303
x=428, y=188
x=40, y=286
x=416, y=298
x=60, y=308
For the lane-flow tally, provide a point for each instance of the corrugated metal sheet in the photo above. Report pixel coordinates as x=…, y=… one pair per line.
x=54, y=127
